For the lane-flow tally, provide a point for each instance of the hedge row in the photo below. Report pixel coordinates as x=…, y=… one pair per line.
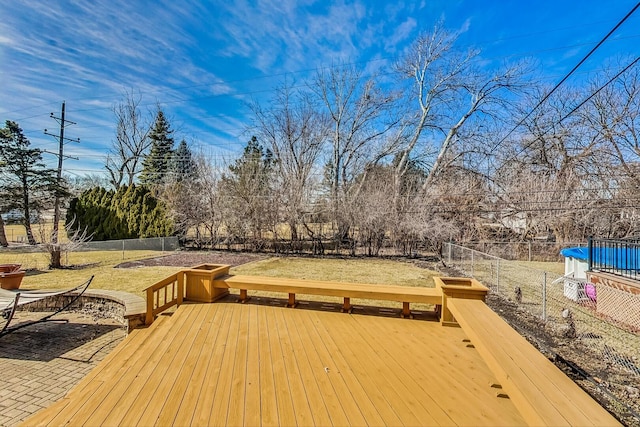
x=131, y=212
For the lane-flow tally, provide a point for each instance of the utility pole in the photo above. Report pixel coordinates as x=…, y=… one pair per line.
x=55, y=252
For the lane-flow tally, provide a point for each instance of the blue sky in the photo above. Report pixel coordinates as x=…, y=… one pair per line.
x=203, y=61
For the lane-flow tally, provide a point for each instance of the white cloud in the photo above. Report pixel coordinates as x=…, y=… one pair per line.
x=400, y=35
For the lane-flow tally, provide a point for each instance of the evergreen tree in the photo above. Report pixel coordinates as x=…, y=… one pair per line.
x=157, y=162
x=26, y=185
x=183, y=166
x=129, y=212
x=249, y=187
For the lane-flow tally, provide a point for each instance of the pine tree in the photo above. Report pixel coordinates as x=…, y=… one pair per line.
x=249, y=184
x=26, y=185
x=183, y=167
x=156, y=164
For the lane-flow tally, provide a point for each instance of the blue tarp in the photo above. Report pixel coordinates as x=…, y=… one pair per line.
x=577, y=253
x=616, y=258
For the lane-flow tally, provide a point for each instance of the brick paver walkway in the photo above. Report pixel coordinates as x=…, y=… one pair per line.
x=40, y=363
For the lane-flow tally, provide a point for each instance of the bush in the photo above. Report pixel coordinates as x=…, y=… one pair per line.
x=128, y=213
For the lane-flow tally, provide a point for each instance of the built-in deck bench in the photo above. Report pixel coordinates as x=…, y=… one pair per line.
x=404, y=294
x=210, y=282
x=542, y=392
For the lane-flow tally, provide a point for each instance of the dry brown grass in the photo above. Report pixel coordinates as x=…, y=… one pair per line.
x=134, y=280
x=374, y=271
x=553, y=267
x=41, y=232
x=85, y=264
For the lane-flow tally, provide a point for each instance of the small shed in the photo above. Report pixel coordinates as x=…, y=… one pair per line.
x=576, y=265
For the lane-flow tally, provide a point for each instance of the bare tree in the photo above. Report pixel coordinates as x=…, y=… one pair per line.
x=75, y=239
x=555, y=173
x=454, y=96
x=295, y=132
x=360, y=115
x=614, y=115
x=124, y=160
x=208, y=202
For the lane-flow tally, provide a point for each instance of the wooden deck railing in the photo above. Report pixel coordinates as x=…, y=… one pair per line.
x=164, y=294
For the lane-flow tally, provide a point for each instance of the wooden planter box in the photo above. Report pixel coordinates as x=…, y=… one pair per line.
x=457, y=287
x=199, y=282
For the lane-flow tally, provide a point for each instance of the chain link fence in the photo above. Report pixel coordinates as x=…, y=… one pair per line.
x=529, y=250
x=147, y=244
x=566, y=307
x=37, y=257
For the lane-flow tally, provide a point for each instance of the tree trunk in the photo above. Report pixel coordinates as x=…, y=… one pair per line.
x=3, y=236
x=27, y=227
x=56, y=256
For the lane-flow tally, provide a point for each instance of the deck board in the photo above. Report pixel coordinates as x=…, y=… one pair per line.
x=268, y=394
x=286, y=411
x=309, y=375
x=203, y=406
x=301, y=404
x=186, y=379
x=321, y=383
x=183, y=350
x=230, y=364
x=235, y=409
x=544, y=394
x=396, y=395
x=252, y=400
x=375, y=388
x=445, y=393
x=344, y=389
x=219, y=405
x=146, y=378
x=189, y=400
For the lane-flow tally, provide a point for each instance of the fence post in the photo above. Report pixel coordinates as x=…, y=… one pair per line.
x=472, y=264
x=590, y=254
x=529, y=251
x=544, y=297
x=162, y=244
x=498, y=275
x=122, y=248
x=450, y=250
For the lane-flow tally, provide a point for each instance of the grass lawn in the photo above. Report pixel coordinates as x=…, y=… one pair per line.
x=377, y=271
x=41, y=232
x=97, y=263
x=552, y=267
x=374, y=271
x=135, y=280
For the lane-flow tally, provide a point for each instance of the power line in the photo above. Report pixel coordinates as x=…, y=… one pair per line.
x=61, y=156
x=582, y=61
x=577, y=107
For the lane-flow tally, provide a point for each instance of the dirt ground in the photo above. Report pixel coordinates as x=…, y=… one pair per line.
x=615, y=388
x=190, y=259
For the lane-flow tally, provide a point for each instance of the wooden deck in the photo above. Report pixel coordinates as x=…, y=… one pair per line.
x=259, y=364
x=542, y=393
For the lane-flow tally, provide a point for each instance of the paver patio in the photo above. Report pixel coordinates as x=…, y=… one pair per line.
x=41, y=363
